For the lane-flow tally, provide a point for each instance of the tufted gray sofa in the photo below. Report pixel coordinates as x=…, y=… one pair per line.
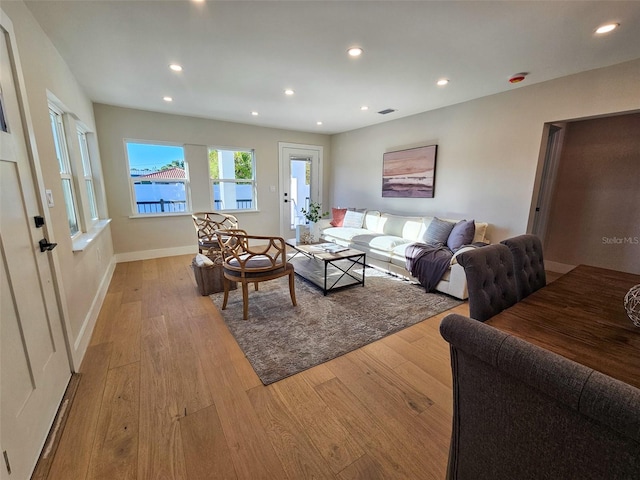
x=523, y=412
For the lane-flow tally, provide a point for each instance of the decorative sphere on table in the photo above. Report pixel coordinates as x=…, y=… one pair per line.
x=632, y=304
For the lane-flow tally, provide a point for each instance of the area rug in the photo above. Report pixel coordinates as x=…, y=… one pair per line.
x=280, y=340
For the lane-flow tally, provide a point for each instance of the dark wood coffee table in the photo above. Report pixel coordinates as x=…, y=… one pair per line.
x=329, y=271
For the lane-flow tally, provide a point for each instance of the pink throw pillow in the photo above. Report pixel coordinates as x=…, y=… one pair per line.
x=337, y=215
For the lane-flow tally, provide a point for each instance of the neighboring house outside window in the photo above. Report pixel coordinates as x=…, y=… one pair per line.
x=88, y=175
x=232, y=174
x=158, y=178
x=62, y=152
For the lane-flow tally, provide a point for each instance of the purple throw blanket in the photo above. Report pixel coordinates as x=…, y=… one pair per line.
x=428, y=263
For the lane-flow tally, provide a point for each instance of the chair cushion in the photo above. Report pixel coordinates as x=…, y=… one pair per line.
x=284, y=270
x=257, y=261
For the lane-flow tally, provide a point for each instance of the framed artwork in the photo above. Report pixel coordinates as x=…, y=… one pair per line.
x=409, y=173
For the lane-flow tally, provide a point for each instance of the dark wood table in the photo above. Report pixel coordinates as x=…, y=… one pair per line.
x=581, y=316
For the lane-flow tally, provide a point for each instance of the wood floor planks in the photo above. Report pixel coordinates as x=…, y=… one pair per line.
x=206, y=450
x=115, y=452
x=76, y=443
x=163, y=364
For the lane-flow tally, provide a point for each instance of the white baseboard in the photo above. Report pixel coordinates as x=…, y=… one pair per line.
x=157, y=253
x=558, y=267
x=84, y=335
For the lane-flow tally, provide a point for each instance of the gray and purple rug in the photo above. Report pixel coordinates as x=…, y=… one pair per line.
x=280, y=340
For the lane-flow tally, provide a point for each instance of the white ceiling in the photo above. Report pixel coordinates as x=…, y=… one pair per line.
x=239, y=56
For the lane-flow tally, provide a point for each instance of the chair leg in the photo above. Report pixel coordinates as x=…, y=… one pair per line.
x=292, y=288
x=255, y=286
x=245, y=301
x=227, y=285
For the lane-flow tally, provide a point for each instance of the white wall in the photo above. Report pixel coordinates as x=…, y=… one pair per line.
x=82, y=277
x=488, y=149
x=136, y=238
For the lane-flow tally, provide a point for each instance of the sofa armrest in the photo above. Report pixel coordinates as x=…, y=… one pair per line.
x=454, y=260
x=466, y=248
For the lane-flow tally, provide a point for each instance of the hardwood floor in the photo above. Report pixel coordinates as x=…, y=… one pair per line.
x=166, y=393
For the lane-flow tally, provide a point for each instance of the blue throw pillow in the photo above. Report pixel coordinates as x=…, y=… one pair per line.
x=461, y=234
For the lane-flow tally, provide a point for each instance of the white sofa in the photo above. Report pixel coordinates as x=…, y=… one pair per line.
x=384, y=237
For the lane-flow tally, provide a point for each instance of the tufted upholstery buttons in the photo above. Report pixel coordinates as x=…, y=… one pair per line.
x=528, y=262
x=490, y=280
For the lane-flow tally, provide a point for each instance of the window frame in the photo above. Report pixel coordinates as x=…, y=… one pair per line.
x=252, y=181
x=132, y=180
x=56, y=120
x=87, y=174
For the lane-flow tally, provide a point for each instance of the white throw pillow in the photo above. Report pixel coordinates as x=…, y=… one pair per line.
x=353, y=219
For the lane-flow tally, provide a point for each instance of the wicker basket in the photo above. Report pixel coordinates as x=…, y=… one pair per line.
x=210, y=278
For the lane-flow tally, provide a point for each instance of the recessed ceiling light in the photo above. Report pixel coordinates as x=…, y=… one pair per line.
x=607, y=28
x=254, y=113
x=318, y=123
x=355, y=51
x=364, y=107
x=167, y=99
x=442, y=82
x=288, y=91
x=175, y=67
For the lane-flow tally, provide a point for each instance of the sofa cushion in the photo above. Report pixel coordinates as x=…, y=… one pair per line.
x=343, y=233
x=401, y=226
x=461, y=234
x=371, y=220
x=481, y=232
x=337, y=216
x=438, y=231
x=353, y=219
x=379, y=241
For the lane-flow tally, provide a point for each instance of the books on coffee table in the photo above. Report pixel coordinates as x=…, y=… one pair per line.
x=328, y=247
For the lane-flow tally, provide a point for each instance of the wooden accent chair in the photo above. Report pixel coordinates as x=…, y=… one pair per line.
x=252, y=259
x=206, y=224
x=523, y=412
x=528, y=263
x=490, y=279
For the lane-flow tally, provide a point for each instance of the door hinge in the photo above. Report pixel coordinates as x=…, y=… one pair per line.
x=6, y=461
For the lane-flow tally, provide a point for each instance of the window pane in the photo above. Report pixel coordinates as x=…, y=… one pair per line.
x=58, y=135
x=160, y=197
x=158, y=176
x=93, y=210
x=233, y=195
x=232, y=175
x=68, y=201
x=84, y=153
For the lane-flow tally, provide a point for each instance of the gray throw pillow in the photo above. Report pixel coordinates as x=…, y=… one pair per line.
x=462, y=234
x=438, y=231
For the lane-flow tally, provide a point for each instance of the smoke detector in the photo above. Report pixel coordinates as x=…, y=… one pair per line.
x=518, y=77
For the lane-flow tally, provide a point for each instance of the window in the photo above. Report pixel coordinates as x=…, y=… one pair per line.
x=158, y=178
x=66, y=175
x=233, y=182
x=88, y=176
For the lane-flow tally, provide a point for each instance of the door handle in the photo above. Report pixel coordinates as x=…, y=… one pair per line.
x=45, y=245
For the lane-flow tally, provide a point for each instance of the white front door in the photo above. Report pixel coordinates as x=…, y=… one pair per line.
x=300, y=183
x=34, y=365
